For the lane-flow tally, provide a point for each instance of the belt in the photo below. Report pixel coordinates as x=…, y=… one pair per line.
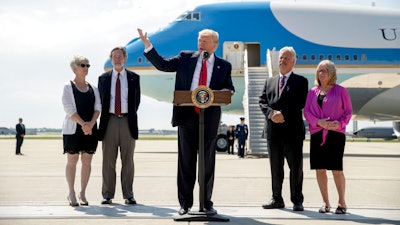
x=120, y=115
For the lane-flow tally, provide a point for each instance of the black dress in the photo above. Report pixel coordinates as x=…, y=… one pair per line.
x=79, y=142
x=330, y=155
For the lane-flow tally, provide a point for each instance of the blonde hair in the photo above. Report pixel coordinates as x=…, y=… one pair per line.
x=212, y=33
x=77, y=60
x=331, y=68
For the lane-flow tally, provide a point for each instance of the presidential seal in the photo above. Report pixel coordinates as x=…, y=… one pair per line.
x=202, y=97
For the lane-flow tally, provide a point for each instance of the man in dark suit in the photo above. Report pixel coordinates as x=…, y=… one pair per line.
x=20, y=129
x=120, y=98
x=188, y=67
x=282, y=101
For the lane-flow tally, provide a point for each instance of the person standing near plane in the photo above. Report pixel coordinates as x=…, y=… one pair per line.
x=188, y=66
x=20, y=129
x=328, y=110
x=282, y=101
x=230, y=136
x=120, y=97
x=81, y=102
x=241, y=132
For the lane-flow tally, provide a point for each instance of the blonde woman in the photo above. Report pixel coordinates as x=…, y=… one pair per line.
x=328, y=110
x=82, y=106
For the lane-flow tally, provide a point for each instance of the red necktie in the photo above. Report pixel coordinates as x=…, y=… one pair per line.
x=117, y=110
x=203, y=74
x=202, y=79
x=281, y=84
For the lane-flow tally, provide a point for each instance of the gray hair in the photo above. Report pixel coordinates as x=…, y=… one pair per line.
x=77, y=60
x=291, y=50
x=123, y=49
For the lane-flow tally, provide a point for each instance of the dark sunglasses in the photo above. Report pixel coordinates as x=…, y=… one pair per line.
x=83, y=65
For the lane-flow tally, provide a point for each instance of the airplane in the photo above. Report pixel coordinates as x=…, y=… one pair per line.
x=363, y=42
x=386, y=133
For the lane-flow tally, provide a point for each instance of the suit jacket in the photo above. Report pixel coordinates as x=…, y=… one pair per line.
x=184, y=65
x=20, y=130
x=290, y=103
x=104, y=86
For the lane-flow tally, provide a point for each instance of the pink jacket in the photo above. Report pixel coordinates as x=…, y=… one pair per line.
x=336, y=105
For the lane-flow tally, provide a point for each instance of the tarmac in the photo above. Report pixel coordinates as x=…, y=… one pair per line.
x=33, y=188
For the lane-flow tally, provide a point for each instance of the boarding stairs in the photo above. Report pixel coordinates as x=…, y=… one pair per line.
x=256, y=144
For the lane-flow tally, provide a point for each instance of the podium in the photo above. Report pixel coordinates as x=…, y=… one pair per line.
x=201, y=97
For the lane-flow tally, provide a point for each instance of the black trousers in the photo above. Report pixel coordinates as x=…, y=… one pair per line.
x=20, y=140
x=292, y=150
x=188, y=146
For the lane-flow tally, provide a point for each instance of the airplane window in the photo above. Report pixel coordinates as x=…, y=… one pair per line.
x=338, y=57
x=182, y=17
x=189, y=16
x=330, y=57
x=321, y=57
x=304, y=57
x=313, y=57
x=363, y=57
x=196, y=16
x=346, y=57
x=139, y=59
x=355, y=57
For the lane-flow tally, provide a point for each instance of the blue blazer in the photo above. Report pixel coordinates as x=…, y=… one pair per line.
x=104, y=86
x=184, y=65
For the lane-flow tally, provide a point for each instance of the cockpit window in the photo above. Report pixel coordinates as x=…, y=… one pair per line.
x=189, y=16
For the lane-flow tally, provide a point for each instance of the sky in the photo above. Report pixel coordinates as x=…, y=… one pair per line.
x=38, y=39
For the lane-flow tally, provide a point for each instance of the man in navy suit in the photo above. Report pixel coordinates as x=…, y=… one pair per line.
x=20, y=128
x=241, y=133
x=188, y=66
x=119, y=91
x=282, y=101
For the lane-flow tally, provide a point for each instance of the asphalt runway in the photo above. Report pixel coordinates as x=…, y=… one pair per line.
x=33, y=187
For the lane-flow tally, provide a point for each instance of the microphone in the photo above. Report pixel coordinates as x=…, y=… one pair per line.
x=205, y=55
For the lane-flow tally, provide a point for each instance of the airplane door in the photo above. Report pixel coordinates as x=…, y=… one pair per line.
x=233, y=52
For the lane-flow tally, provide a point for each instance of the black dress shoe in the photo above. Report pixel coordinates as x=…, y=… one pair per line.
x=211, y=211
x=71, y=203
x=272, y=204
x=298, y=207
x=183, y=211
x=106, y=201
x=130, y=201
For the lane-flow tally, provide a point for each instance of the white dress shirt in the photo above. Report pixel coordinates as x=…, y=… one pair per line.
x=124, y=91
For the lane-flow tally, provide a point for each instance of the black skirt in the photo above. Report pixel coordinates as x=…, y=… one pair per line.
x=330, y=155
x=81, y=143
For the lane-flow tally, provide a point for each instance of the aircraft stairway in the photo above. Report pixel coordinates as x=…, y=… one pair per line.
x=256, y=145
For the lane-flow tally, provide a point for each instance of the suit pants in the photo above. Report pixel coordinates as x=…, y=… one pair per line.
x=188, y=145
x=20, y=140
x=292, y=150
x=118, y=136
x=241, y=145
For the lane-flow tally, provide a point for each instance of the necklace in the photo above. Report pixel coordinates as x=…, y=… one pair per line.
x=82, y=87
x=325, y=90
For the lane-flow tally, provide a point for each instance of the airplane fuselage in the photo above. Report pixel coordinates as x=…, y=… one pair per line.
x=359, y=40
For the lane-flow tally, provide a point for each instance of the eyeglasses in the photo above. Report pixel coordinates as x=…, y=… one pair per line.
x=83, y=65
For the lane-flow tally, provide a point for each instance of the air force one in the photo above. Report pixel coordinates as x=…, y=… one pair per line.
x=363, y=42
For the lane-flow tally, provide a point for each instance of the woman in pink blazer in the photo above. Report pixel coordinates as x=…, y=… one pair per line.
x=328, y=110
